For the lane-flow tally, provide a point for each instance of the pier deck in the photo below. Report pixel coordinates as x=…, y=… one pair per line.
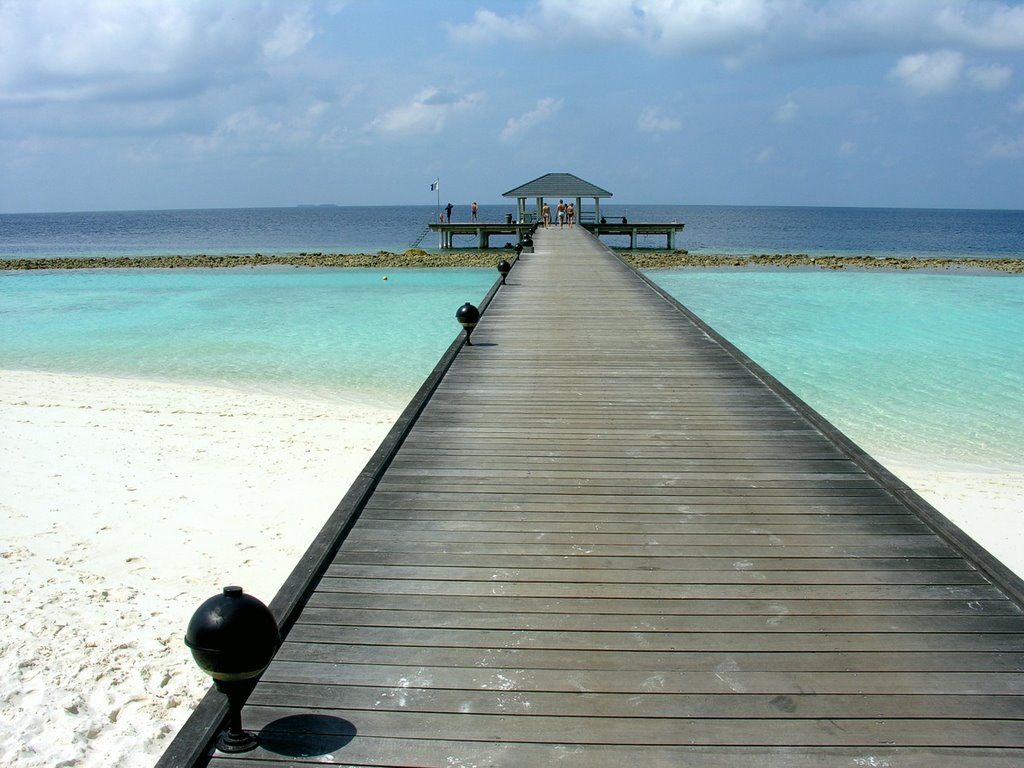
x=483, y=231
x=609, y=539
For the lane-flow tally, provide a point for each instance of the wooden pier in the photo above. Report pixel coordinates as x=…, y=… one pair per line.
x=602, y=536
x=484, y=231
x=634, y=230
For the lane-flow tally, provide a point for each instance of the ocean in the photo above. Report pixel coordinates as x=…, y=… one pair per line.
x=929, y=366
x=337, y=229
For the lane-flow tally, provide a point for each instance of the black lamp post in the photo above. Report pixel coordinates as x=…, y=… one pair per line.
x=468, y=316
x=503, y=269
x=233, y=637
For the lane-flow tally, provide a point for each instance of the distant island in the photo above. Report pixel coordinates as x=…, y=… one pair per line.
x=318, y=205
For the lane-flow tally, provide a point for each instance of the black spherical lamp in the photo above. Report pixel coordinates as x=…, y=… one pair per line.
x=233, y=637
x=503, y=269
x=468, y=316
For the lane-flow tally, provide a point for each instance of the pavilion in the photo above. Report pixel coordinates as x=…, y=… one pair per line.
x=563, y=186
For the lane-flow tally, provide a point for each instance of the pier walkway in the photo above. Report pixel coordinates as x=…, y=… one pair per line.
x=609, y=539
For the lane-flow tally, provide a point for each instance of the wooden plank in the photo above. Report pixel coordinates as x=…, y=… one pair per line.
x=589, y=496
x=904, y=548
x=500, y=620
x=706, y=505
x=904, y=525
x=669, y=731
x=768, y=607
x=684, y=540
x=582, y=641
x=939, y=672
x=623, y=592
x=402, y=753
x=491, y=575
x=655, y=563
x=579, y=520
x=620, y=705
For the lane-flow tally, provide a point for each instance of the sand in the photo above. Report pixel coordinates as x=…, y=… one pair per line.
x=125, y=505
x=128, y=503
x=987, y=504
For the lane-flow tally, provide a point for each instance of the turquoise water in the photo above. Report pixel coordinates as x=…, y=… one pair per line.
x=324, y=333
x=921, y=365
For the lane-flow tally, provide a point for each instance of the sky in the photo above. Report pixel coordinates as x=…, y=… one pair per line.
x=162, y=104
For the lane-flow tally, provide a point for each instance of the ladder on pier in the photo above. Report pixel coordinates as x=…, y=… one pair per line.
x=421, y=236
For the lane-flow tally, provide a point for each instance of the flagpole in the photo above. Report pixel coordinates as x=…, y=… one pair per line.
x=437, y=186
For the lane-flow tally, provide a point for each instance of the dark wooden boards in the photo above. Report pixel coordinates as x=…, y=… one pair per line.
x=607, y=540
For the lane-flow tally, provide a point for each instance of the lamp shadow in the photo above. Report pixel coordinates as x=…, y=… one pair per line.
x=306, y=735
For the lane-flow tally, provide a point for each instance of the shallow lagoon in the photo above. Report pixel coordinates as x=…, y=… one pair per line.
x=349, y=334
x=927, y=366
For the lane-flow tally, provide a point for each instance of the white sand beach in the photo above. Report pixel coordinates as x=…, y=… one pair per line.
x=987, y=505
x=127, y=503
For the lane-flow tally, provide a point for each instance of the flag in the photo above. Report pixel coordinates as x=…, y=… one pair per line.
x=435, y=186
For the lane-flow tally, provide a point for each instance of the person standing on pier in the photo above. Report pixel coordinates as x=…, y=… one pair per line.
x=561, y=213
x=448, y=212
x=546, y=215
x=472, y=211
x=570, y=213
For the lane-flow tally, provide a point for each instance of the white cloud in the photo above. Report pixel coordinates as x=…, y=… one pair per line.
x=991, y=77
x=704, y=25
x=938, y=72
x=250, y=127
x=661, y=25
x=929, y=73
x=787, y=112
x=650, y=120
x=487, y=26
x=847, y=149
x=290, y=36
x=1018, y=105
x=426, y=113
x=516, y=126
x=739, y=30
x=765, y=156
x=989, y=26
x=85, y=50
x=1012, y=149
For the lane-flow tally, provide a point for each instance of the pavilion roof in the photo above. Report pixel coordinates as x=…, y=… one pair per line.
x=558, y=185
